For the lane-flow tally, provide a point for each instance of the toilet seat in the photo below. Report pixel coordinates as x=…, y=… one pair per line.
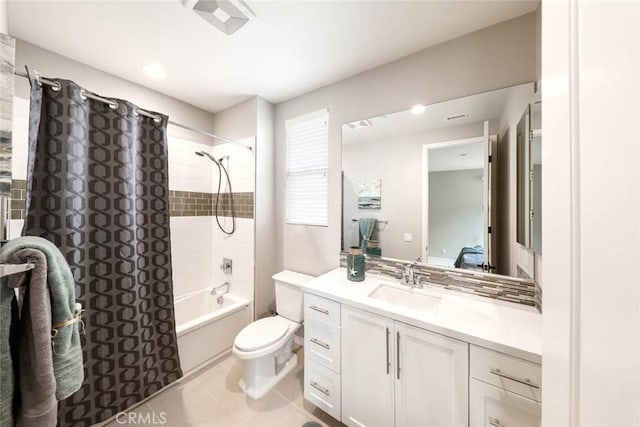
x=261, y=333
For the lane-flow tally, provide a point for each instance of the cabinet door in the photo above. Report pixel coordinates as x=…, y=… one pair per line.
x=495, y=407
x=367, y=369
x=431, y=375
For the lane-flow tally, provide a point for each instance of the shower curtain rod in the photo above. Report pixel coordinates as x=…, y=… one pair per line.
x=56, y=86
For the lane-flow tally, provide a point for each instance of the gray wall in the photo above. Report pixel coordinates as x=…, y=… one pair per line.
x=495, y=57
x=397, y=162
x=265, y=211
x=456, y=214
x=254, y=118
x=50, y=64
x=238, y=121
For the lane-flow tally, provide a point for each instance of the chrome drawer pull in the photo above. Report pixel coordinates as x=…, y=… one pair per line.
x=398, y=355
x=321, y=389
x=525, y=381
x=495, y=422
x=388, y=361
x=321, y=310
x=320, y=343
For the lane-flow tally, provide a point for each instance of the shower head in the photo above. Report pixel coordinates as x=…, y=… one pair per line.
x=204, y=153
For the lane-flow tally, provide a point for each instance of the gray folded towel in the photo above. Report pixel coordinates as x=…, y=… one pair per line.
x=50, y=362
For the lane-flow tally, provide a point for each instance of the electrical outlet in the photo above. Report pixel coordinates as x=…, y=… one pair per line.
x=408, y=237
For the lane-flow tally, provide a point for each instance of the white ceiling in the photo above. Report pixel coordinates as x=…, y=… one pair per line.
x=459, y=157
x=478, y=108
x=293, y=47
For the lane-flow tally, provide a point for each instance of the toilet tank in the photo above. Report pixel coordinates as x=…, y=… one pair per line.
x=289, y=299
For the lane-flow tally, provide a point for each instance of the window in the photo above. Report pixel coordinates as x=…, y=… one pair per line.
x=307, y=165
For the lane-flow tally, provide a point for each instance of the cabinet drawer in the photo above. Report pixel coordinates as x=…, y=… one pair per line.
x=322, y=343
x=491, y=406
x=511, y=373
x=322, y=387
x=321, y=309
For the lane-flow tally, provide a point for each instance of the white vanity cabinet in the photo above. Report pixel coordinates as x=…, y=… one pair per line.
x=504, y=391
x=371, y=366
x=322, y=354
x=397, y=374
x=368, y=373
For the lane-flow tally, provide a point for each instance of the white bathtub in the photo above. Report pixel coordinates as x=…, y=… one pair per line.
x=205, y=328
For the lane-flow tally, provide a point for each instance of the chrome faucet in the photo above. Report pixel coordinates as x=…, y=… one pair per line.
x=410, y=278
x=216, y=291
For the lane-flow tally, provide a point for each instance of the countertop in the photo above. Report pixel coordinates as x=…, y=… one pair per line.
x=501, y=326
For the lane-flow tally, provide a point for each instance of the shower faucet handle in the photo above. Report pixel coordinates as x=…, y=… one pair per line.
x=227, y=265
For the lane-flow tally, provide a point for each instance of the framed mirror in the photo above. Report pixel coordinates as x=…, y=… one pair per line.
x=446, y=180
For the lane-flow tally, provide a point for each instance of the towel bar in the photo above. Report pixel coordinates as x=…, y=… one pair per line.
x=9, y=269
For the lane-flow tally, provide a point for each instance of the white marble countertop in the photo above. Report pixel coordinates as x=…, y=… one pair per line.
x=501, y=326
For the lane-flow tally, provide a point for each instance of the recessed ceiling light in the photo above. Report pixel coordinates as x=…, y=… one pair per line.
x=154, y=71
x=418, y=109
x=221, y=14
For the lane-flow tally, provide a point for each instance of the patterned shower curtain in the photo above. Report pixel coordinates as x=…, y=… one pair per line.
x=98, y=188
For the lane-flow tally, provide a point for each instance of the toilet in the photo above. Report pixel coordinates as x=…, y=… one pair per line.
x=264, y=346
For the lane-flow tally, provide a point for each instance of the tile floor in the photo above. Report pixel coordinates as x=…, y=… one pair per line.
x=212, y=398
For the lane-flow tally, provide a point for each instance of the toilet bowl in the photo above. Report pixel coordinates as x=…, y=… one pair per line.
x=264, y=346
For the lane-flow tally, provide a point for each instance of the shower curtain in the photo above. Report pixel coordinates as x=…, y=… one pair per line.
x=97, y=188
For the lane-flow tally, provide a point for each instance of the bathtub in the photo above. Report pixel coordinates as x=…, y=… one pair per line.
x=207, y=329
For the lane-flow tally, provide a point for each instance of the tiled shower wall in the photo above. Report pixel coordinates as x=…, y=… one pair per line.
x=197, y=244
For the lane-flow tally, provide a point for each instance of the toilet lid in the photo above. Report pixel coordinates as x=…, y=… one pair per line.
x=261, y=333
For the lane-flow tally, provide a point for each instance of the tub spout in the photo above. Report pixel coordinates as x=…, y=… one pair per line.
x=221, y=289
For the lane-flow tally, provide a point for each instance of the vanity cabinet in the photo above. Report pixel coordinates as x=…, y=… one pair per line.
x=322, y=354
x=504, y=391
x=491, y=406
x=368, y=373
x=397, y=374
x=369, y=370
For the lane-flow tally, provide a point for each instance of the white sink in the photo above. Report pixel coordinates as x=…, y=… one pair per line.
x=410, y=298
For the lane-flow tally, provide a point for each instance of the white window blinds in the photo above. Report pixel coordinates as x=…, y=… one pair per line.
x=307, y=165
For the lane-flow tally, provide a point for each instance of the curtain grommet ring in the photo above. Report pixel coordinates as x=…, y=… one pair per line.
x=83, y=94
x=113, y=105
x=56, y=87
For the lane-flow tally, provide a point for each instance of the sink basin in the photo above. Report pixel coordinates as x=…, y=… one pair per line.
x=409, y=298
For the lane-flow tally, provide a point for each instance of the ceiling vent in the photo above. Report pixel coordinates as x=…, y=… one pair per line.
x=359, y=124
x=456, y=117
x=227, y=16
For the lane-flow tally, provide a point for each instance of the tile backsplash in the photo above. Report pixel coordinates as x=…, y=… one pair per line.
x=190, y=203
x=503, y=288
x=182, y=203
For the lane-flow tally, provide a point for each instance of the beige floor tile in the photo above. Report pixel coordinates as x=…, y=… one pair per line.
x=212, y=398
x=189, y=404
x=298, y=418
x=291, y=386
x=270, y=410
x=142, y=416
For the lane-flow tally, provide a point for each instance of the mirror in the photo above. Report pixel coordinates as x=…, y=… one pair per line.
x=529, y=176
x=440, y=182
